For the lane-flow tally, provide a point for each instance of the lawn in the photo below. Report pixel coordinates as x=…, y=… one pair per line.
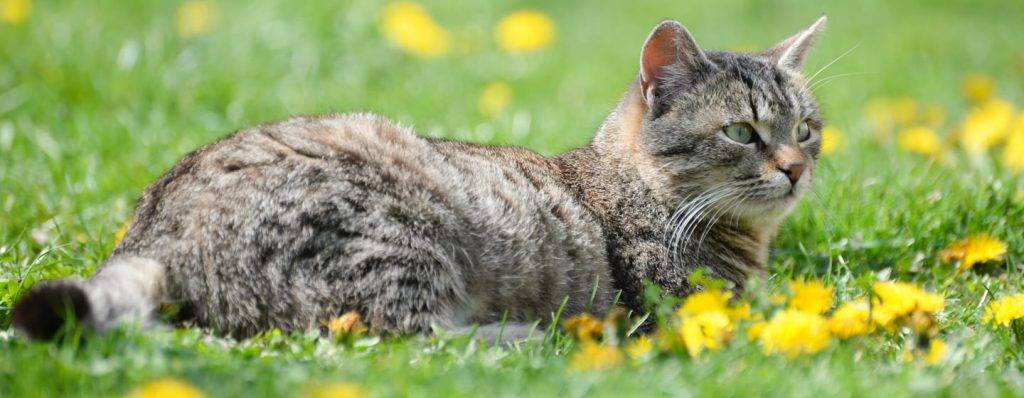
x=98, y=98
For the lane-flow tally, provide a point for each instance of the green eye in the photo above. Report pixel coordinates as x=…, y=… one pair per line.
x=803, y=132
x=742, y=133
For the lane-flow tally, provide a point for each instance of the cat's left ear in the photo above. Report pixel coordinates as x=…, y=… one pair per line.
x=790, y=53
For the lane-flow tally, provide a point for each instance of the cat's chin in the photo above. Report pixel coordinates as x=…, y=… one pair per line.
x=769, y=209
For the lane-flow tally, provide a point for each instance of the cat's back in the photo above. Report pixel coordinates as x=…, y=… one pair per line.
x=312, y=213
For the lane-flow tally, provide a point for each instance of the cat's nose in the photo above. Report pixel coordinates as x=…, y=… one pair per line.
x=793, y=171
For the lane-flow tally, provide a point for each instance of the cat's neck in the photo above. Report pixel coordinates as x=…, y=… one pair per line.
x=621, y=184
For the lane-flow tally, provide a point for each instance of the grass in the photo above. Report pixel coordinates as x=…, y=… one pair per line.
x=98, y=98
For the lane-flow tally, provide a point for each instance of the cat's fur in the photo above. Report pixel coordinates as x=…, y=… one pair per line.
x=287, y=224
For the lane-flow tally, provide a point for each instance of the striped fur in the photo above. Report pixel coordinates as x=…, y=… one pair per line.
x=287, y=224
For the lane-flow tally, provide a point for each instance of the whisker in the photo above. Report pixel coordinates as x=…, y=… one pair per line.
x=810, y=80
x=828, y=79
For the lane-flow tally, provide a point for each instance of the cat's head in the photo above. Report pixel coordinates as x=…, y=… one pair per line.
x=742, y=131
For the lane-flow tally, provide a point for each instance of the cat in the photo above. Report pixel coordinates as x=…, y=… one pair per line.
x=284, y=225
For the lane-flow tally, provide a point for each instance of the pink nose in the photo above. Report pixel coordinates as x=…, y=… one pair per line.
x=793, y=171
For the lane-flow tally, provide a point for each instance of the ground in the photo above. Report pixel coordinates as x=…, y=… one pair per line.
x=98, y=98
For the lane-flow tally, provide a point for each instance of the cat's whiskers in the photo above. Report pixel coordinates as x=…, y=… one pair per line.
x=736, y=187
x=826, y=80
x=810, y=80
x=735, y=202
x=696, y=211
x=689, y=211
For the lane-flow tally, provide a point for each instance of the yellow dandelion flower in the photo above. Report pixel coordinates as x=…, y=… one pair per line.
x=937, y=351
x=525, y=30
x=920, y=140
x=973, y=250
x=755, y=330
x=812, y=296
x=495, y=97
x=707, y=330
x=1005, y=310
x=1013, y=152
x=978, y=88
x=165, y=388
x=739, y=311
x=594, y=356
x=347, y=324
x=900, y=299
x=851, y=319
x=337, y=390
x=410, y=27
x=986, y=125
x=792, y=333
x=195, y=18
x=831, y=140
x=14, y=12
x=710, y=300
x=584, y=327
x=640, y=348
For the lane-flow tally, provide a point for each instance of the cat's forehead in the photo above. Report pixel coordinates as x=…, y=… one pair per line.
x=760, y=84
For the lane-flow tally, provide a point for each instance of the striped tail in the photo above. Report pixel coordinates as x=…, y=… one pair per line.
x=124, y=290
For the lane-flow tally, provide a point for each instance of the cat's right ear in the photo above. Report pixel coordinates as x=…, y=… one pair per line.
x=669, y=44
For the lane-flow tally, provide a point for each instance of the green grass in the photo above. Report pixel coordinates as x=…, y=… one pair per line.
x=98, y=98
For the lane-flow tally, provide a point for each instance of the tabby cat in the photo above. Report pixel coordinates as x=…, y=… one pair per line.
x=287, y=224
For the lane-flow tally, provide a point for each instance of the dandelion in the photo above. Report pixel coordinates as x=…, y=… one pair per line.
x=710, y=300
x=1013, y=152
x=594, y=356
x=1003, y=311
x=708, y=330
x=851, y=319
x=937, y=352
x=755, y=330
x=410, y=27
x=195, y=18
x=899, y=299
x=920, y=140
x=740, y=310
x=524, y=31
x=346, y=325
x=885, y=114
x=165, y=388
x=812, y=297
x=831, y=140
x=584, y=327
x=793, y=332
x=495, y=97
x=337, y=390
x=986, y=125
x=977, y=88
x=14, y=12
x=640, y=348
x=973, y=250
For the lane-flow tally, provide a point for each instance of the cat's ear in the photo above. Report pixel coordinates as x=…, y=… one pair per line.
x=668, y=44
x=790, y=53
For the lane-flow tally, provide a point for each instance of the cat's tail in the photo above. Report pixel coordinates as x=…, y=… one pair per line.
x=125, y=289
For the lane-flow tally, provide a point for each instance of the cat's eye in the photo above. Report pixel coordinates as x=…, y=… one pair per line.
x=803, y=132
x=742, y=133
